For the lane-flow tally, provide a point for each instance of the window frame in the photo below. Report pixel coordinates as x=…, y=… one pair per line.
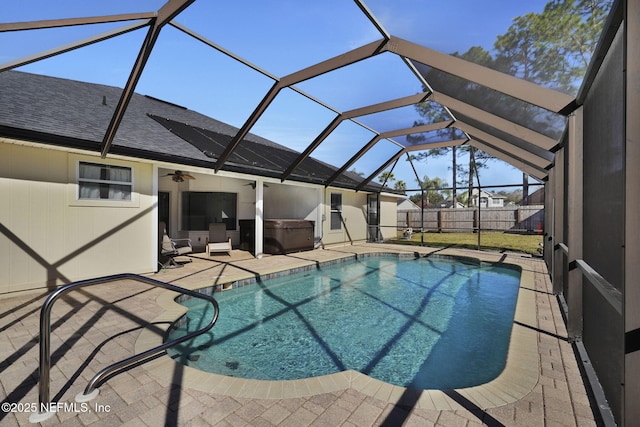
x=104, y=182
x=73, y=179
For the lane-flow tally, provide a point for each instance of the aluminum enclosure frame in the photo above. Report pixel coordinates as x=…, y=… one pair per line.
x=155, y=21
x=595, y=244
x=560, y=162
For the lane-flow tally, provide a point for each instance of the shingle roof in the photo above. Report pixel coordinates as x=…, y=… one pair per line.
x=66, y=112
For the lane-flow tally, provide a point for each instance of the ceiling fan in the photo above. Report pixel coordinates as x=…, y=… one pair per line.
x=179, y=176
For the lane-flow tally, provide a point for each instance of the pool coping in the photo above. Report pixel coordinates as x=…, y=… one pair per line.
x=519, y=377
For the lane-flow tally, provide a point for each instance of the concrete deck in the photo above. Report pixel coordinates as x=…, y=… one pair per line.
x=95, y=326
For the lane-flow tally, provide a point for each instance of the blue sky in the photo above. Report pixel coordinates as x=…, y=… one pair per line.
x=279, y=37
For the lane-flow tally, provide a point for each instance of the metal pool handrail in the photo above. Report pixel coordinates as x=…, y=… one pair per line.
x=91, y=391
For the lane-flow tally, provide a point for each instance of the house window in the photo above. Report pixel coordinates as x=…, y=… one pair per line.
x=104, y=182
x=199, y=209
x=336, y=211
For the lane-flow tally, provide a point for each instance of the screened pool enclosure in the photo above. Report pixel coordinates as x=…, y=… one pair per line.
x=370, y=87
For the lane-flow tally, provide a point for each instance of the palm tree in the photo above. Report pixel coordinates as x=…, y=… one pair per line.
x=386, y=177
x=432, y=188
x=400, y=185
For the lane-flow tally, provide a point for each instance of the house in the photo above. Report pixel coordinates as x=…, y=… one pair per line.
x=535, y=198
x=448, y=204
x=487, y=199
x=407, y=205
x=406, y=210
x=69, y=213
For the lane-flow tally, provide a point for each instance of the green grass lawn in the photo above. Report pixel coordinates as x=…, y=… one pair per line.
x=528, y=243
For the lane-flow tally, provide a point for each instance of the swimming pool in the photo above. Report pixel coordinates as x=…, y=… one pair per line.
x=429, y=323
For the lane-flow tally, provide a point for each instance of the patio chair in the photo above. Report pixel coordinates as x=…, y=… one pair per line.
x=218, y=240
x=172, y=248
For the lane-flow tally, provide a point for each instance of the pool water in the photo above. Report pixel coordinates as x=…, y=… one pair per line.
x=428, y=323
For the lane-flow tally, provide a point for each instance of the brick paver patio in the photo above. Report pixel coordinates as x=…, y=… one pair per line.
x=95, y=326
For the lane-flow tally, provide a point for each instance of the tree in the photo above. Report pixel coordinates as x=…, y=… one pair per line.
x=514, y=196
x=400, y=185
x=432, y=191
x=433, y=113
x=464, y=198
x=386, y=177
x=551, y=48
x=354, y=171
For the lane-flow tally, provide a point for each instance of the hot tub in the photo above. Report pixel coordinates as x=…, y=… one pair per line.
x=281, y=236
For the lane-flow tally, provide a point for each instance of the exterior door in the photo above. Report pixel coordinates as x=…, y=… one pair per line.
x=373, y=218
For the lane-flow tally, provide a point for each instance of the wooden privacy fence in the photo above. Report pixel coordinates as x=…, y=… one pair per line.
x=517, y=218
